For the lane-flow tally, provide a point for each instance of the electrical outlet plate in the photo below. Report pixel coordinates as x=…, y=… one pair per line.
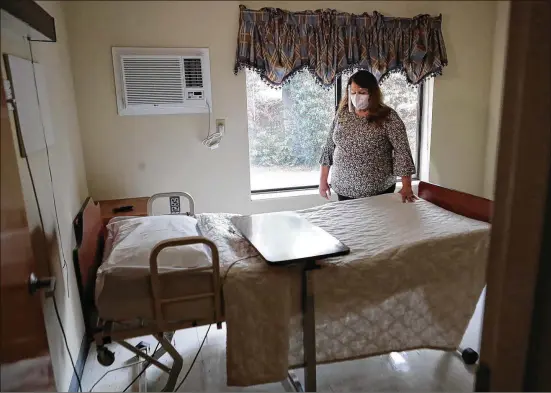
x=222, y=123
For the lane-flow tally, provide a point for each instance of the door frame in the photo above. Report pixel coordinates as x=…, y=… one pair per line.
x=515, y=280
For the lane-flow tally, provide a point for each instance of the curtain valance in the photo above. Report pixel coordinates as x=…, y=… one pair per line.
x=278, y=43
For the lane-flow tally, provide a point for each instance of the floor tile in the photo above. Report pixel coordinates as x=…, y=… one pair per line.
x=422, y=370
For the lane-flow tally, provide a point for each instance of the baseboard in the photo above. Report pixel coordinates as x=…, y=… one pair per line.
x=79, y=364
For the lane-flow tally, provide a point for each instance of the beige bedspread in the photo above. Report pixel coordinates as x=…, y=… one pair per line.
x=412, y=280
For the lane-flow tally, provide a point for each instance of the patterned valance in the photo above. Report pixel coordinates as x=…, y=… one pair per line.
x=278, y=43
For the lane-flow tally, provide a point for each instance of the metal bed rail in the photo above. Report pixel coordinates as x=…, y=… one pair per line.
x=174, y=202
x=160, y=327
x=158, y=302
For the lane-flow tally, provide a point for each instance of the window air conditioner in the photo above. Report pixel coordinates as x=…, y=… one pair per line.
x=159, y=81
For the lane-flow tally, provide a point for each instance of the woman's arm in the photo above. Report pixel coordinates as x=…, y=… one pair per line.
x=326, y=160
x=406, y=182
x=407, y=191
x=324, y=189
x=403, y=164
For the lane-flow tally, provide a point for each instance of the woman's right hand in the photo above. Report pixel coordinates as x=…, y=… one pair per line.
x=325, y=190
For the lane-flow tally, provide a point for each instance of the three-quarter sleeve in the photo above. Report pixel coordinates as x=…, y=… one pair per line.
x=403, y=164
x=326, y=158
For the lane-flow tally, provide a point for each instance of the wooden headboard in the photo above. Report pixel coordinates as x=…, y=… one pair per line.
x=456, y=201
x=87, y=257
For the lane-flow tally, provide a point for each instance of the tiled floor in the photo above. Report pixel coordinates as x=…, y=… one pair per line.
x=424, y=370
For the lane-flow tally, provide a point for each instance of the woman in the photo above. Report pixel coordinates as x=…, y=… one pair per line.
x=367, y=147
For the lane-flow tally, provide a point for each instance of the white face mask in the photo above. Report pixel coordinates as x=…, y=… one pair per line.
x=360, y=101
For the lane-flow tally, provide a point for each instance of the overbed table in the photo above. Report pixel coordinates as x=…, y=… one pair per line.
x=284, y=239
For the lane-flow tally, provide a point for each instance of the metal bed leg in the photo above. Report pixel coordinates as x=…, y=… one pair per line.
x=159, y=353
x=142, y=380
x=176, y=365
x=309, y=328
x=145, y=356
x=166, y=347
x=141, y=367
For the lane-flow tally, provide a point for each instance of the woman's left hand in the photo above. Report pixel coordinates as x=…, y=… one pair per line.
x=407, y=194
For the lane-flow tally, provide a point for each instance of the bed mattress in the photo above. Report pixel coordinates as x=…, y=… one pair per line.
x=123, y=290
x=127, y=299
x=412, y=280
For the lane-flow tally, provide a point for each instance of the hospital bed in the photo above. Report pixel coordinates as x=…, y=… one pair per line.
x=205, y=295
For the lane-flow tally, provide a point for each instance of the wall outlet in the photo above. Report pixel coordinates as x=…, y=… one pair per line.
x=221, y=126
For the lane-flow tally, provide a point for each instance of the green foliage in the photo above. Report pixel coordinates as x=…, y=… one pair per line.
x=288, y=127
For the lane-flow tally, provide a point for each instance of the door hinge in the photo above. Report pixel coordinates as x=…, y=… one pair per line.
x=10, y=101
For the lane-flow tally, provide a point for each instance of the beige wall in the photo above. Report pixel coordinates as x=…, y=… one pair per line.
x=496, y=91
x=140, y=155
x=70, y=187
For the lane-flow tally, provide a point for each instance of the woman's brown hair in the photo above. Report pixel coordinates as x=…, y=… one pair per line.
x=366, y=80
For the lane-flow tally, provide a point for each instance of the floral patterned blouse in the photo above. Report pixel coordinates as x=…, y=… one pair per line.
x=366, y=157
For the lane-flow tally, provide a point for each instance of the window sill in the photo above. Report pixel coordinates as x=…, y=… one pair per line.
x=310, y=192
x=284, y=194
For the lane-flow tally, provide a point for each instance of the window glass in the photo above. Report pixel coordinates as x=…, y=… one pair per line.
x=287, y=130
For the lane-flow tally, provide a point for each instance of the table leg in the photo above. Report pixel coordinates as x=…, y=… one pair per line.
x=308, y=330
x=294, y=381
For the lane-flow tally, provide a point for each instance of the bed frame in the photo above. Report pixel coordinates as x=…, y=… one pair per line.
x=89, y=233
x=88, y=254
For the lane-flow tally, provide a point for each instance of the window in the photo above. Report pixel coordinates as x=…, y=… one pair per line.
x=287, y=130
x=289, y=126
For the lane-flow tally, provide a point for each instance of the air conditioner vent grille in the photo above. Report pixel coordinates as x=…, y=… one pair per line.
x=152, y=81
x=193, y=73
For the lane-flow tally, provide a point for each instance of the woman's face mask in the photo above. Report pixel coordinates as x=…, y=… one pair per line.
x=358, y=97
x=360, y=101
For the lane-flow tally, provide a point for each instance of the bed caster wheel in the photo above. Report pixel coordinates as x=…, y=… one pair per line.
x=469, y=356
x=105, y=356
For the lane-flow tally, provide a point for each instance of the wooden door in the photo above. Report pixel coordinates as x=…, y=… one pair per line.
x=516, y=334
x=25, y=362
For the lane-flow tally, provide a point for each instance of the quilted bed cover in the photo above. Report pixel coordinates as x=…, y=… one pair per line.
x=412, y=280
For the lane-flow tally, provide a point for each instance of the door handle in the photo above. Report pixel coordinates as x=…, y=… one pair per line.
x=35, y=284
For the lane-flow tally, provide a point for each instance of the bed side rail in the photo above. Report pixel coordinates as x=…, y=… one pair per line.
x=158, y=302
x=174, y=200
